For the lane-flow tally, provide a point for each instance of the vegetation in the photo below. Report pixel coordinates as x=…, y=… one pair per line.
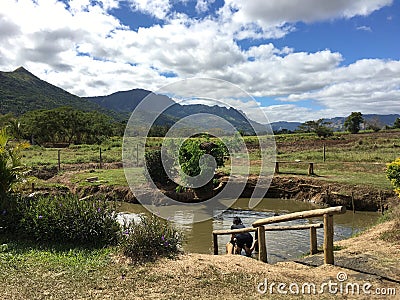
x=11, y=168
x=319, y=127
x=353, y=122
x=155, y=167
x=393, y=174
x=151, y=238
x=68, y=125
x=60, y=219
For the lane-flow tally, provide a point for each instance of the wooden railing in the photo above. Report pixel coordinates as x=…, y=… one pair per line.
x=258, y=226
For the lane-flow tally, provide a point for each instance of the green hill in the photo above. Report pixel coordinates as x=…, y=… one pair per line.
x=21, y=91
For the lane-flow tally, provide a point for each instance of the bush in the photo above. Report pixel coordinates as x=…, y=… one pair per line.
x=61, y=219
x=393, y=174
x=155, y=168
x=150, y=239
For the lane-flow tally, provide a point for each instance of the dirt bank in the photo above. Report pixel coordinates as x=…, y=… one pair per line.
x=302, y=188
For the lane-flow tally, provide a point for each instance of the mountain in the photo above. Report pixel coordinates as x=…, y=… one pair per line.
x=21, y=91
x=127, y=101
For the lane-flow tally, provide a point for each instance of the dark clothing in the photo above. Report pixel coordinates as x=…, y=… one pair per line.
x=242, y=238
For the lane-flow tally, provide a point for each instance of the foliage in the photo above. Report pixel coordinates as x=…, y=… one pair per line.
x=11, y=168
x=374, y=124
x=353, y=122
x=393, y=174
x=191, y=152
x=318, y=126
x=67, y=125
x=150, y=239
x=61, y=219
x=396, y=123
x=155, y=168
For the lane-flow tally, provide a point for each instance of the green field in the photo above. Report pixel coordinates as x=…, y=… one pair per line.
x=358, y=159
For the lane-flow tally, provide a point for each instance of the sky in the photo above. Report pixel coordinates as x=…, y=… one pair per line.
x=299, y=59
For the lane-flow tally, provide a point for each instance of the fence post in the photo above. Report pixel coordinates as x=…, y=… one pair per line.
x=215, y=242
x=101, y=160
x=137, y=155
x=277, y=167
x=262, y=247
x=59, y=159
x=328, y=239
x=313, y=240
x=311, y=168
x=324, y=152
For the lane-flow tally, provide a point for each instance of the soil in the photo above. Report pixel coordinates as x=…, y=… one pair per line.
x=365, y=259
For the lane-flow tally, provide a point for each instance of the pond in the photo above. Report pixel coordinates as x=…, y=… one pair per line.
x=281, y=245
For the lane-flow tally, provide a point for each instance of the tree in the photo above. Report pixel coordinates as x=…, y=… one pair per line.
x=374, y=124
x=396, y=123
x=318, y=126
x=353, y=122
x=190, y=160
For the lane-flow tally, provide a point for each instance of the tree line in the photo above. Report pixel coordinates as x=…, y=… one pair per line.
x=62, y=125
x=353, y=124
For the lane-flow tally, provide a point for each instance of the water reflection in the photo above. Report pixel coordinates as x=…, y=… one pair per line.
x=281, y=245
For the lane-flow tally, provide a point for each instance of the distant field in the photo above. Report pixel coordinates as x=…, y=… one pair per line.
x=350, y=158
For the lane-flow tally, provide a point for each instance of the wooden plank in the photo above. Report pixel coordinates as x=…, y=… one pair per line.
x=231, y=231
x=313, y=240
x=262, y=247
x=215, y=242
x=301, y=215
x=328, y=239
x=295, y=227
x=268, y=228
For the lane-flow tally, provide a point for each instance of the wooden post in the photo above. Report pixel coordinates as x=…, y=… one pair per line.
x=313, y=240
x=324, y=150
x=262, y=247
x=276, y=167
x=328, y=239
x=59, y=159
x=352, y=202
x=33, y=187
x=101, y=160
x=137, y=155
x=215, y=242
x=311, y=168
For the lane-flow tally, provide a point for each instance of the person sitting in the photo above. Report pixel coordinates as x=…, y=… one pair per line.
x=240, y=241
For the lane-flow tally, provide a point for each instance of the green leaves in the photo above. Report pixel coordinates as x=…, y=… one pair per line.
x=11, y=169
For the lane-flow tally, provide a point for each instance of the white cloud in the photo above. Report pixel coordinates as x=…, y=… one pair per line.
x=364, y=28
x=82, y=48
x=156, y=8
x=203, y=5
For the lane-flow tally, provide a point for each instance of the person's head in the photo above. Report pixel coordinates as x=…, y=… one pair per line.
x=237, y=221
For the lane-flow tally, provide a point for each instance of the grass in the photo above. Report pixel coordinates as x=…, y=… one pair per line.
x=358, y=159
x=112, y=177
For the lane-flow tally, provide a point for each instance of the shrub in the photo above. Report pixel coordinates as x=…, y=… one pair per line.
x=11, y=169
x=393, y=174
x=150, y=239
x=62, y=219
x=155, y=168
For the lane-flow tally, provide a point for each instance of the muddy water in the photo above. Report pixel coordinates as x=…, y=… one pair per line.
x=281, y=245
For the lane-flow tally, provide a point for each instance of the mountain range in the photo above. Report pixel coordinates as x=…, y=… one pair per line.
x=21, y=91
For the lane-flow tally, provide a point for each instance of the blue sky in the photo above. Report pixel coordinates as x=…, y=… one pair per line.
x=300, y=59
